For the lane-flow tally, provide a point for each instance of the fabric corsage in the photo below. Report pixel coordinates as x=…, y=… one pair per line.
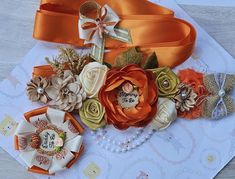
x=49, y=140
x=135, y=106
x=194, y=80
x=66, y=92
x=36, y=89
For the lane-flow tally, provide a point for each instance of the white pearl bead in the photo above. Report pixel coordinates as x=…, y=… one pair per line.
x=125, y=141
x=134, y=137
x=40, y=90
x=147, y=137
x=129, y=140
x=183, y=95
x=124, y=150
x=221, y=93
x=104, y=137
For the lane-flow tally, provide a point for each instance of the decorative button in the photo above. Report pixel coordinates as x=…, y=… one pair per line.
x=221, y=93
x=40, y=90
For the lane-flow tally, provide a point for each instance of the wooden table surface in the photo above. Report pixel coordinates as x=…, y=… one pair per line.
x=16, y=24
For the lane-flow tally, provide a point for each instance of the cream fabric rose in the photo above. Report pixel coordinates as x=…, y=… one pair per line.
x=166, y=114
x=92, y=78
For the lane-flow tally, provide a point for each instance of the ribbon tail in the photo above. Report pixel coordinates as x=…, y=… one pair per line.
x=97, y=53
x=121, y=34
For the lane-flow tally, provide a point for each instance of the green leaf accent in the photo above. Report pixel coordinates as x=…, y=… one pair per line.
x=151, y=62
x=62, y=136
x=58, y=149
x=131, y=56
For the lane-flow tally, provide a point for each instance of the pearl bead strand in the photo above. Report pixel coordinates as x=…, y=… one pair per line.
x=121, y=146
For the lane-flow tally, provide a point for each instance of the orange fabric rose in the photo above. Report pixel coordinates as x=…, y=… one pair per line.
x=195, y=80
x=144, y=84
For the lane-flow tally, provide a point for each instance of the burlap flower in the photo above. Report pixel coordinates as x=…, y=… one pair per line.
x=92, y=114
x=167, y=81
x=66, y=93
x=36, y=89
x=185, y=99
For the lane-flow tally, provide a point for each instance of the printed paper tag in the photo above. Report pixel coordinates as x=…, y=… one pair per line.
x=128, y=100
x=7, y=126
x=48, y=138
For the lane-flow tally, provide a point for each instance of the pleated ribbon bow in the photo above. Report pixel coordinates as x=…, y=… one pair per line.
x=219, y=103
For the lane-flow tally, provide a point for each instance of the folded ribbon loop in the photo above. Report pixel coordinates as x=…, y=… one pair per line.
x=93, y=28
x=48, y=140
x=219, y=103
x=153, y=28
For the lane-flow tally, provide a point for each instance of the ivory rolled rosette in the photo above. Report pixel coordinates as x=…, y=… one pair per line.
x=166, y=114
x=92, y=78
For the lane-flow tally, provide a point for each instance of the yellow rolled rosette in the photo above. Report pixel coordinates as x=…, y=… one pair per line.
x=92, y=114
x=167, y=82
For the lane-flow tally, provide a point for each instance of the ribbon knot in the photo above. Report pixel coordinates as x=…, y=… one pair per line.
x=96, y=23
x=219, y=103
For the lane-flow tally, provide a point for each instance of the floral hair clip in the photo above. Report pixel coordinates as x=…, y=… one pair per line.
x=135, y=92
x=132, y=93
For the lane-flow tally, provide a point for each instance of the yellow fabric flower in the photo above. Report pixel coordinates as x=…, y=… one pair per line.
x=92, y=114
x=167, y=82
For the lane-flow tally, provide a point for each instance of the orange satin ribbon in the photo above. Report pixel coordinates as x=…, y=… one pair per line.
x=152, y=27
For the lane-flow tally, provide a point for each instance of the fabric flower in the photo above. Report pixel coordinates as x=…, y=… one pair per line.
x=92, y=78
x=167, y=81
x=185, y=99
x=36, y=89
x=48, y=140
x=136, y=108
x=195, y=81
x=67, y=93
x=166, y=114
x=92, y=114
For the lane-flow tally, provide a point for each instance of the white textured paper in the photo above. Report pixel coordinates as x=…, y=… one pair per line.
x=188, y=149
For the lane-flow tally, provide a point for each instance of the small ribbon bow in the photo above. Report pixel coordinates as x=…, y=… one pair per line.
x=94, y=28
x=220, y=102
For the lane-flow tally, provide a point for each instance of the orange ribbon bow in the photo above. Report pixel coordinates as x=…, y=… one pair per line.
x=152, y=28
